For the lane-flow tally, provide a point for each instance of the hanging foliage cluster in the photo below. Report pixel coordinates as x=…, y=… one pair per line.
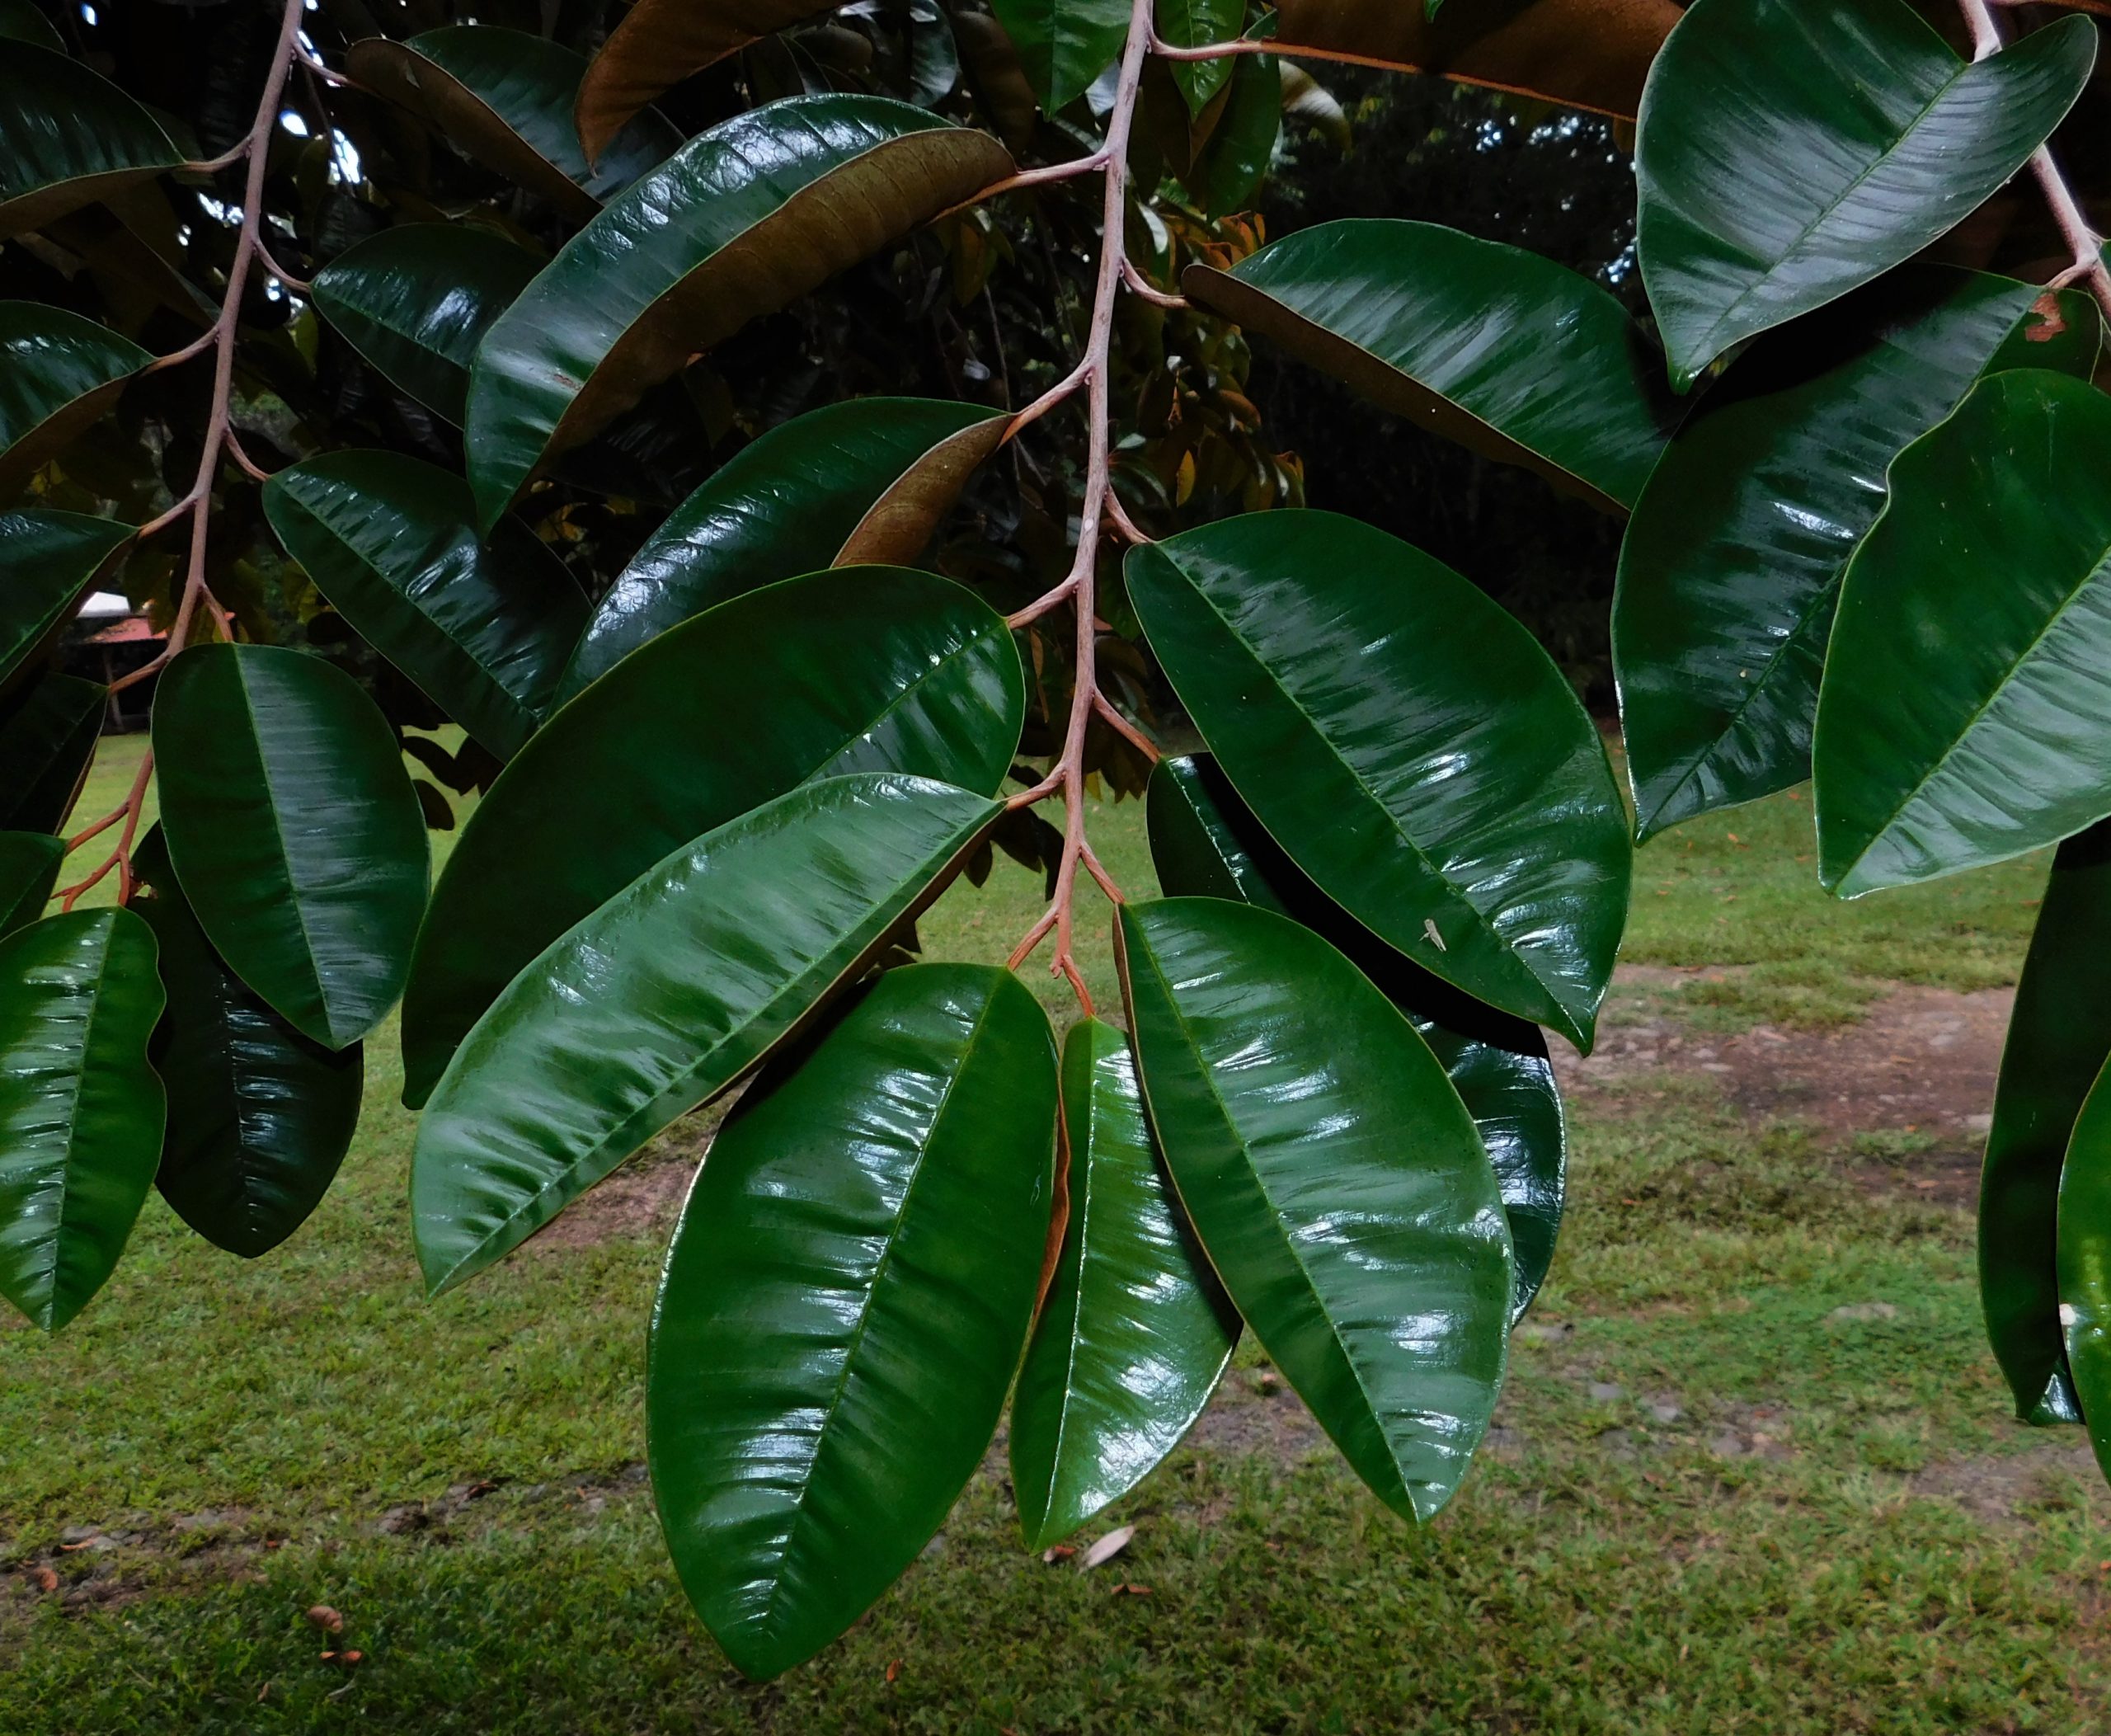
x=744, y=682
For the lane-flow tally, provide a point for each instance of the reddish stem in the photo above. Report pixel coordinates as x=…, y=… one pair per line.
x=219, y=442
x=2084, y=245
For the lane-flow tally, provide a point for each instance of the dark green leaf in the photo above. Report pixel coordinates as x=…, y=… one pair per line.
x=1242, y=143
x=1579, y=54
x=483, y=627
x=1135, y=1332
x=1730, y=572
x=49, y=561
x=1408, y=743
x=294, y=829
x=22, y=20
x=864, y=481
x=506, y=97
x=1195, y=23
x=665, y=996
x=1335, y=1178
x=1206, y=842
x=1063, y=45
x=1789, y=153
x=29, y=869
x=1512, y=355
x=80, y=1110
x=48, y=734
x=58, y=373
x=810, y=185
x=1999, y=750
x=415, y=300
x=2084, y=1266
x=658, y=44
x=865, y=669
x=2059, y=1035
x=259, y=1116
x=67, y=138
x=844, y=1304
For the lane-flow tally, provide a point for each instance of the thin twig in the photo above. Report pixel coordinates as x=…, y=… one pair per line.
x=1124, y=728
x=2084, y=245
x=1118, y=515
x=248, y=466
x=1145, y=289
x=220, y=438
x=298, y=285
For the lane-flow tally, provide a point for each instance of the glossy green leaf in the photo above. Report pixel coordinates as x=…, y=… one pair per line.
x=506, y=97
x=1579, y=54
x=1409, y=742
x=294, y=830
x=1193, y=24
x=67, y=138
x=659, y=43
x=49, y=728
x=867, y=480
x=1521, y=360
x=259, y=1116
x=862, y=670
x=1335, y=1178
x=1962, y=721
x=59, y=372
x=1789, y=153
x=1730, y=571
x=1242, y=143
x=1206, y=843
x=1063, y=45
x=2084, y=1254
x=29, y=869
x=1135, y=1331
x=483, y=626
x=80, y=1110
x=416, y=301
x=2059, y=1035
x=809, y=184
x=665, y=996
x=844, y=1304
x=49, y=561
x=22, y=20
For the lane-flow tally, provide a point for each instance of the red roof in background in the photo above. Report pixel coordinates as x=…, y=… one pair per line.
x=132, y=630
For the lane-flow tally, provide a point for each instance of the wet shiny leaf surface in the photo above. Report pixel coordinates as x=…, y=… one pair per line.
x=506, y=97
x=2059, y=1035
x=1730, y=572
x=294, y=830
x=1787, y=153
x=259, y=1116
x=1410, y=745
x=1335, y=1178
x=416, y=301
x=1206, y=843
x=1997, y=749
x=67, y=138
x=665, y=996
x=1135, y=1331
x=2084, y=1266
x=59, y=372
x=844, y=1304
x=1521, y=360
x=80, y=1110
x=812, y=184
x=484, y=625
x=863, y=670
x=48, y=560
x=864, y=481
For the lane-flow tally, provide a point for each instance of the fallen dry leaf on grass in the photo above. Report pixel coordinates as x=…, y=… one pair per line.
x=1108, y=1546
x=1058, y=1552
x=45, y=1579
x=328, y=1620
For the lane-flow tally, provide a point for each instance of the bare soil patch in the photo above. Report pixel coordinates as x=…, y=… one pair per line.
x=1922, y=1063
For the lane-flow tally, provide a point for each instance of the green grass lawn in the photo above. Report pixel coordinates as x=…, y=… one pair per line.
x=1713, y=1504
